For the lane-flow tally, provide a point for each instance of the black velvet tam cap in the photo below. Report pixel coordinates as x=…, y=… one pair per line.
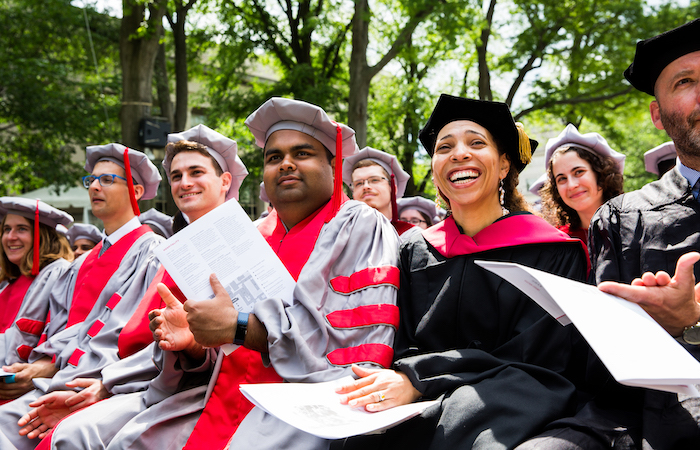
x=493, y=116
x=654, y=54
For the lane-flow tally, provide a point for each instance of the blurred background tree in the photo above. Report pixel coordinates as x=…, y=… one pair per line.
x=52, y=99
x=377, y=64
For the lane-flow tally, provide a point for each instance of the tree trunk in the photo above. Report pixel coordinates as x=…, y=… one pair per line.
x=481, y=50
x=361, y=74
x=162, y=85
x=181, y=75
x=359, y=82
x=137, y=55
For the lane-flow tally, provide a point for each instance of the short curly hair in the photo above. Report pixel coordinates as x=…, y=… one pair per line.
x=608, y=178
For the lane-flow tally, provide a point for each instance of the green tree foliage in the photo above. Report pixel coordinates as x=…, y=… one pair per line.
x=302, y=42
x=307, y=43
x=562, y=61
x=401, y=101
x=583, y=82
x=51, y=100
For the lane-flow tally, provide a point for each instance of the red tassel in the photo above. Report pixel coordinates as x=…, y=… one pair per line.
x=394, y=206
x=37, y=242
x=130, y=183
x=338, y=183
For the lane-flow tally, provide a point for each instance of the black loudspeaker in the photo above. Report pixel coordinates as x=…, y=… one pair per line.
x=153, y=132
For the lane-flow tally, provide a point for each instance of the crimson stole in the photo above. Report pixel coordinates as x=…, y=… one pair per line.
x=95, y=273
x=136, y=334
x=227, y=407
x=11, y=300
x=512, y=230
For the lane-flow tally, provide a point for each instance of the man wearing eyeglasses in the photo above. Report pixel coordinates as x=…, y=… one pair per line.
x=377, y=179
x=97, y=295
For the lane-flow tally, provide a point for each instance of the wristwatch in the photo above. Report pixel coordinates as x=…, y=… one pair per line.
x=691, y=334
x=241, y=328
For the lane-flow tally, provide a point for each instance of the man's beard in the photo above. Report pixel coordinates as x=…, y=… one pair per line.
x=685, y=131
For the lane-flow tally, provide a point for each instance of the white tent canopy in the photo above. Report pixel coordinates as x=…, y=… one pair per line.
x=72, y=199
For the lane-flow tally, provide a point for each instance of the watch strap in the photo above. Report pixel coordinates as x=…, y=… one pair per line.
x=241, y=328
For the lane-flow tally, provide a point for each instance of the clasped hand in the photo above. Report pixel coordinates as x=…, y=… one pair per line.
x=24, y=374
x=49, y=409
x=196, y=323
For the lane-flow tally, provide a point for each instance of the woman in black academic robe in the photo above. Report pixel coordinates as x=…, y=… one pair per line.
x=500, y=366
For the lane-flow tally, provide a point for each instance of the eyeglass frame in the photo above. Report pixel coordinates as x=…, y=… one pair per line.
x=369, y=181
x=89, y=179
x=415, y=221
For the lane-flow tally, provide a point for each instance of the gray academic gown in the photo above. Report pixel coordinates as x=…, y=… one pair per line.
x=84, y=349
x=300, y=339
x=35, y=307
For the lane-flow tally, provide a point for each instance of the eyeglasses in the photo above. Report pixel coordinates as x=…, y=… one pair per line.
x=414, y=221
x=106, y=179
x=373, y=181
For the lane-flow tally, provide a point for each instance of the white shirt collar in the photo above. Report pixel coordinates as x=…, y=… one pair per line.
x=123, y=230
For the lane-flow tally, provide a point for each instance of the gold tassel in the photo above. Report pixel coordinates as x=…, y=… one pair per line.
x=524, y=144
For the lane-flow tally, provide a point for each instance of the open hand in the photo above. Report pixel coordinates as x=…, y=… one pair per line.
x=378, y=389
x=49, y=409
x=169, y=325
x=672, y=302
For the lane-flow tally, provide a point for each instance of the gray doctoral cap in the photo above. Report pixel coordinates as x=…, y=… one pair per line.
x=385, y=160
x=653, y=157
x=84, y=231
x=25, y=207
x=142, y=169
x=422, y=204
x=155, y=218
x=537, y=185
x=286, y=114
x=590, y=141
x=221, y=148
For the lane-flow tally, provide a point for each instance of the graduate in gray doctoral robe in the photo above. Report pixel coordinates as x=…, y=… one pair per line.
x=329, y=252
x=34, y=308
x=36, y=260
x=99, y=292
x=82, y=350
x=199, y=161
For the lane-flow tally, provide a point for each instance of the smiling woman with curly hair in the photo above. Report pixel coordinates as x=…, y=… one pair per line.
x=583, y=172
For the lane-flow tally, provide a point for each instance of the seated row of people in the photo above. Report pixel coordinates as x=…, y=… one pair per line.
x=419, y=320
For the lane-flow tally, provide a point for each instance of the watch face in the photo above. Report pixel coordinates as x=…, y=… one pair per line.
x=692, y=335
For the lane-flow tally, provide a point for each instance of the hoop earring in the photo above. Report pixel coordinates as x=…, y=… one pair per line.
x=502, y=196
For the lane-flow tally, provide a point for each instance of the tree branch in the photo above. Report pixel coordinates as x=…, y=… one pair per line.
x=7, y=126
x=335, y=50
x=403, y=38
x=271, y=32
x=572, y=101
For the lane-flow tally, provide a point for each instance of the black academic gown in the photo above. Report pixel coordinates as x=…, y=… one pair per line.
x=644, y=231
x=500, y=366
